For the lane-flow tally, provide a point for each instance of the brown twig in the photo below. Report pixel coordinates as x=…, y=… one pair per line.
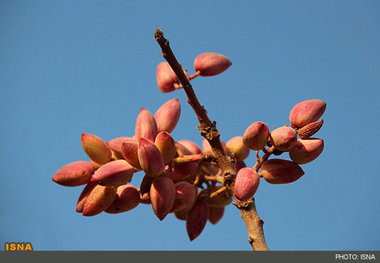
x=220, y=191
x=189, y=158
x=214, y=178
x=196, y=74
x=211, y=134
x=265, y=157
x=207, y=127
x=254, y=224
x=195, y=158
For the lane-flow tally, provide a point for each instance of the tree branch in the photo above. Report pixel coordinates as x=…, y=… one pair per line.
x=211, y=134
x=207, y=127
x=254, y=224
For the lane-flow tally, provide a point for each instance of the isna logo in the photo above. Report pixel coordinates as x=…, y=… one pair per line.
x=18, y=246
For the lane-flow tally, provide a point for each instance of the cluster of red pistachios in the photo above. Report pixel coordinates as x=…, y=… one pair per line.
x=179, y=177
x=304, y=124
x=173, y=172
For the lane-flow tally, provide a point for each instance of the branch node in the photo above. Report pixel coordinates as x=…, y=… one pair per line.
x=251, y=240
x=244, y=205
x=228, y=177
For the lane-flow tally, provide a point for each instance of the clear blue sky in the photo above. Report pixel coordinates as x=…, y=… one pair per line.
x=72, y=67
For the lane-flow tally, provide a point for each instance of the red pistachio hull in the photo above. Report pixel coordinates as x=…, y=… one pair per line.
x=191, y=146
x=126, y=199
x=246, y=184
x=256, y=136
x=99, y=199
x=145, y=184
x=150, y=158
x=146, y=126
x=114, y=173
x=129, y=151
x=215, y=214
x=279, y=171
x=182, y=214
x=306, y=112
x=185, y=197
x=74, y=174
x=196, y=219
x=83, y=196
x=166, y=145
x=211, y=64
x=237, y=148
x=306, y=151
x=145, y=189
x=206, y=147
x=167, y=115
x=162, y=195
x=283, y=138
x=165, y=77
x=116, y=143
x=184, y=169
x=310, y=129
x=97, y=149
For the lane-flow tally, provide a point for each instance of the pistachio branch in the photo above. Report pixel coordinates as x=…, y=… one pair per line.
x=188, y=158
x=254, y=224
x=214, y=178
x=194, y=158
x=207, y=127
x=221, y=190
x=211, y=134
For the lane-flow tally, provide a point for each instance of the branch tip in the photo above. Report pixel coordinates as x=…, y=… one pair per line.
x=158, y=34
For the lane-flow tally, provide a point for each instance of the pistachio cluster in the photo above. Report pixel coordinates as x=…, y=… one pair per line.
x=304, y=124
x=180, y=177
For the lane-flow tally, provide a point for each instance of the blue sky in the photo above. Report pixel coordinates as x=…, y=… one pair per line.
x=72, y=67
